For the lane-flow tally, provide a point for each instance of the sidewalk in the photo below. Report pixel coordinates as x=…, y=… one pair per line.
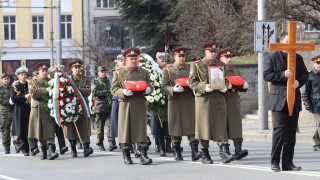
x=251, y=132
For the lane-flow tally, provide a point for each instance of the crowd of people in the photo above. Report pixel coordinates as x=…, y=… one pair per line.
x=199, y=106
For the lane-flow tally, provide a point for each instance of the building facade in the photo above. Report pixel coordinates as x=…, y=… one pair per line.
x=25, y=33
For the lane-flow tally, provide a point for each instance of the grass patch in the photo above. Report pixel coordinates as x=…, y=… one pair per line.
x=246, y=59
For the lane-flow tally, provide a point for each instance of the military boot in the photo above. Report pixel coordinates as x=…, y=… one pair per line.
x=44, y=153
x=34, y=151
x=149, y=141
x=206, y=158
x=17, y=148
x=162, y=146
x=144, y=159
x=195, y=154
x=102, y=148
x=177, y=153
x=156, y=144
x=7, y=150
x=112, y=145
x=126, y=156
x=239, y=153
x=168, y=146
x=136, y=150
x=25, y=152
x=87, y=150
x=225, y=154
x=52, y=152
x=74, y=151
x=62, y=145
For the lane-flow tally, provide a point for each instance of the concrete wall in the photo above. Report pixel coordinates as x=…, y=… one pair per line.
x=249, y=99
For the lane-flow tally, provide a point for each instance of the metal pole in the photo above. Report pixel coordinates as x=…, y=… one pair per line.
x=262, y=85
x=58, y=29
x=51, y=35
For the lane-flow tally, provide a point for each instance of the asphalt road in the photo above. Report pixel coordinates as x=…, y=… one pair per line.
x=109, y=165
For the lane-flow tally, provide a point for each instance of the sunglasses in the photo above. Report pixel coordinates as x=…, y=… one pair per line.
x=213, y=50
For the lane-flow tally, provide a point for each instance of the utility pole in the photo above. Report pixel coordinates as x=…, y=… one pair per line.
x=262, y=85
x=58, y=30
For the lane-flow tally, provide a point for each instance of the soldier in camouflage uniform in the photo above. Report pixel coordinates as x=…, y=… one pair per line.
x=100, y=88
x=6, y=111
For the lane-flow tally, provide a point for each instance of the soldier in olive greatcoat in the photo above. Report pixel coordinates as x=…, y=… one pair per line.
x=234, y=116
x=211, y=112
x=181, y=105
x=132, y=126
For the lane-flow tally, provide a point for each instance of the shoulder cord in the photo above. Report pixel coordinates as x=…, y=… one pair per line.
x=199, y=71
x=120, y=79
x=170, y=80
x=34, y=84
x=16, y=90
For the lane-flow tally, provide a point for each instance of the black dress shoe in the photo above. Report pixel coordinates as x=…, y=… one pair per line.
x=275, y=167
x=291, y=168
x=17, y=148
x=101, y=147
x=25, y=153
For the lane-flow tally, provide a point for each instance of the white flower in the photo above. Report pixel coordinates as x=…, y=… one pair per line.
x=62, y=79
x=60, y=89
x=68, y=100
x=157, y=84
x=153, y=77
x=70, y=89
x=50, y=101
x=158, y=91
x=162, y=102
x=63, y=113
x=153, y=93
x=50, y=106
x=160, y=95
x=150, y=99
x=156, y=98
x=61, y=103
x=51, y=93
x=61, y=94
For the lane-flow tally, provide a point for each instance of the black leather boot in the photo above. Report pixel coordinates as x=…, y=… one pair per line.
x=156, y=143
x=74, y=151
x=126, y=156
x=195, y=154
x=168, y=146
x=102, y=148
x=144, y=159
x=34, y=151
x=239, y=153
x=44, y=153
x=149, y=141
x=136, y=150
x=177, y=153
x=25, y=152
x=17, y=148
x=206, y=158
x=87, y=150
x=7, y=150
x=52, y=152
x=112, y=146
x=62, y=145
x=162, y=146
x=225, y=154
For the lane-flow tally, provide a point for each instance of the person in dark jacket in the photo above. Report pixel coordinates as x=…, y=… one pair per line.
x=311, y=98
x=285, y=126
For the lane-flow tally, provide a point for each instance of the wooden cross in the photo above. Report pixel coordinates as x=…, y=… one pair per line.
x=291, y=47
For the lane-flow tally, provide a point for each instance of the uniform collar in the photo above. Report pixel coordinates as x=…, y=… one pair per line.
x=74, y=77
x=129, y=69
x=180, y=67
x=209, y=62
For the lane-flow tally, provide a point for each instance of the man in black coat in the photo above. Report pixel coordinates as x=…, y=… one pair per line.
x=311, y=98
x=285, y=126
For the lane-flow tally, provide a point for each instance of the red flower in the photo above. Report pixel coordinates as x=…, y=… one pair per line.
x=92, y=102
x=71, y=98
x=66, y=90
x=29, y=96
x=64, y=100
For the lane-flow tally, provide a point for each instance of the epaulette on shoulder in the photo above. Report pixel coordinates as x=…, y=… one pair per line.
x=196, y=61
x=170, y=65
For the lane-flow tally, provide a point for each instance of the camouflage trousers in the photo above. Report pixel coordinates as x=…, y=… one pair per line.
x=5, y=129
x=101, y=119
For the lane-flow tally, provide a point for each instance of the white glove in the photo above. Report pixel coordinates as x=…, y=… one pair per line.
x=26, y=96
x=229, y=86
x=147, y=90
x=127, y=92
x=246, y=85
x=177, y=88
x=208, y=89
x=10, y=101
x=224, y=90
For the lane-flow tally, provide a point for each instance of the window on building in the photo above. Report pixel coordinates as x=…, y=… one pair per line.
x=106, y=4
x=37, y=27
x=66, y=27
x=9, y=26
